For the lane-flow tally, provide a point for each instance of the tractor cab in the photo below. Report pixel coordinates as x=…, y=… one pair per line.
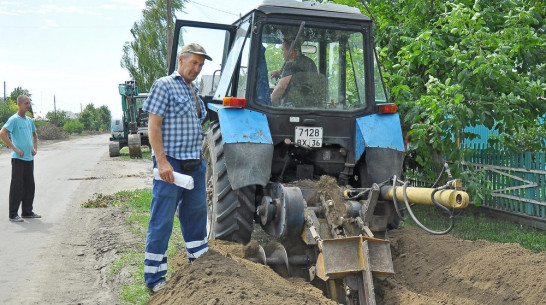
x=311, y=70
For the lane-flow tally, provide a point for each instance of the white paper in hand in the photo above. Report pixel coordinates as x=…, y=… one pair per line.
x=181, y=180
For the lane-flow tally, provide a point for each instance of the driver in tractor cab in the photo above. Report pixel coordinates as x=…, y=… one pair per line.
x=295, y=62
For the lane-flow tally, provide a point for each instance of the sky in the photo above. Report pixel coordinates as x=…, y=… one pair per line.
x=67, y=53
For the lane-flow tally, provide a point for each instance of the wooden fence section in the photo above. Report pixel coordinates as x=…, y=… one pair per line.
x=517, y=181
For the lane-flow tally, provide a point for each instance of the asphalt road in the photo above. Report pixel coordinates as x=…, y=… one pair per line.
x=59, y=169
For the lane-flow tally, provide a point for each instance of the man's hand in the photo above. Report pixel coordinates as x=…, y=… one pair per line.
x=165, y=170
x=275, y=74
x=34, y=151
x=18, y=151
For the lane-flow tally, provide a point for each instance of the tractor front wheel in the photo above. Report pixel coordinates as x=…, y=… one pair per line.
x=231, y=212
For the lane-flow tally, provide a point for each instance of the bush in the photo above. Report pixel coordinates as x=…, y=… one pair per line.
x=7, y=109
x=73, y=126
x=49, y=131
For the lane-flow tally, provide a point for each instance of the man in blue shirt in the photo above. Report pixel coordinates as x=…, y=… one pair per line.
x=23, y=145
x=174, y=129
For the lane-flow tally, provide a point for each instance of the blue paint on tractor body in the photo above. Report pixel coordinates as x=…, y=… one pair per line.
x=378, y=130
x=241, y=125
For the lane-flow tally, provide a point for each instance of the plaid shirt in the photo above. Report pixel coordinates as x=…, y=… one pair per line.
x=172, y=99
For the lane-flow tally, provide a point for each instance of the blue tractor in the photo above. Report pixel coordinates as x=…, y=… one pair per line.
x=316, y=165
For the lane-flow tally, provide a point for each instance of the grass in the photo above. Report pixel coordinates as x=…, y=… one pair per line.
x=470, y=224
x=137, y=203
x=146, y=153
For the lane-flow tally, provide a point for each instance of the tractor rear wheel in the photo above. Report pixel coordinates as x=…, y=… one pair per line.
x=231, y=212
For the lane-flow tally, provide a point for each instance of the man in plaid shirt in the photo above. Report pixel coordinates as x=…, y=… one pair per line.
x=174, y=129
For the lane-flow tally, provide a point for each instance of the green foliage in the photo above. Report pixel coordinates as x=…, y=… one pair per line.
x=40, y=123
x=87, y=117
x=146, y=56
x=73, y=126
x=449, y=65
x=137, y=203
x=7, y=109
x=146, y=153
x=18, y=91
x=95, y=118
x=103, y=117
x=58, y=118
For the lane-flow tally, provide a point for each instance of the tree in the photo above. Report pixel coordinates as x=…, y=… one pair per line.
x=57, y=118
x=103, y=117
x=462, y=63
x=87, y=117
x=7, y=109
x=97, y=119
x=146, y=57
x=18, y=91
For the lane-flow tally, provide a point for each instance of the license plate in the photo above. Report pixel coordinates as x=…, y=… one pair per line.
x=309, y=136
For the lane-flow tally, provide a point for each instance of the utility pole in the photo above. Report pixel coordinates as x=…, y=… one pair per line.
x=54, y=110
x=169, y=33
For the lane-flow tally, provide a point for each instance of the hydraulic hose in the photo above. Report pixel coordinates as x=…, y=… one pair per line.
x=396, y=208
x=436, y=203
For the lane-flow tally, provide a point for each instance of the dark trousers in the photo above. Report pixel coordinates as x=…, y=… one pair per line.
x=22, y=187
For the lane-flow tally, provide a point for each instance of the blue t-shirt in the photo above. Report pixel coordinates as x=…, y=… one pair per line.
x=21, y=130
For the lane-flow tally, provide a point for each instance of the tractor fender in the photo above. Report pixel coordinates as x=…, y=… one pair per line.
x=248, y=145
x=380, y=136
x=378, y=131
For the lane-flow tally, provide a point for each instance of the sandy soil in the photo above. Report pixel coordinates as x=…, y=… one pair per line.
x=429, y=269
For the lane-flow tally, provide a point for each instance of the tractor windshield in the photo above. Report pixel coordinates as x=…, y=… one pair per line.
x=303, y=66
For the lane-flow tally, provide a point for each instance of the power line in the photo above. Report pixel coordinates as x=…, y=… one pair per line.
x=214, y=8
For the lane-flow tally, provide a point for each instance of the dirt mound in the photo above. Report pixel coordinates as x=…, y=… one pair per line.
x=446, y=270
x=222, y=277
x=429, y=270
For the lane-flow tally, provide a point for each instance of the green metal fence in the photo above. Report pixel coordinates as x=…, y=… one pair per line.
x=517, y=181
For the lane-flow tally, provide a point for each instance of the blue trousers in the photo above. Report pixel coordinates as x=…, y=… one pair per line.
x=192, y=214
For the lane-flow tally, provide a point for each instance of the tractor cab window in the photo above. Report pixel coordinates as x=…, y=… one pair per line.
x=235, y=69
x=301, y=66
x=380, y=92
x=215, y=38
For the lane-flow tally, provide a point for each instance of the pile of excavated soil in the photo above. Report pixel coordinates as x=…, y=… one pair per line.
x=221, y=277
x=429, y=270
x=434, y=269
